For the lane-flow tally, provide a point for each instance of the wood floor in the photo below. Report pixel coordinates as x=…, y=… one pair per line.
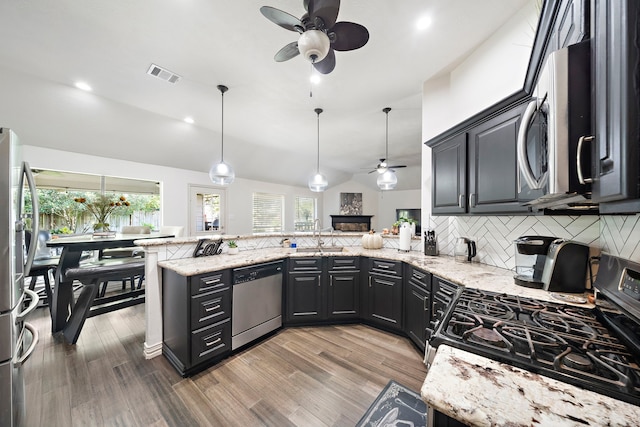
x=316, y=376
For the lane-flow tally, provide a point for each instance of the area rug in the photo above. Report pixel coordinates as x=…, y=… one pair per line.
x=396, y=406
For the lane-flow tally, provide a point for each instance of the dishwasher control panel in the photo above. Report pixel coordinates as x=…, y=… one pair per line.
x=255, y=272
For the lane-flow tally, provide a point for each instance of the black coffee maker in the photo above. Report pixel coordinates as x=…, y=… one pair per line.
x=566, y=267
x=531, y=256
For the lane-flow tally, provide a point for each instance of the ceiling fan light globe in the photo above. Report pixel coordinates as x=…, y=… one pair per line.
x=222, y=174
x=318, y=183
x=387, y=181
x=313, y=45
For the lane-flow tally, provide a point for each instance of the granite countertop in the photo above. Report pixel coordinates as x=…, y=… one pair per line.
x=482, y=392
x=472, y=275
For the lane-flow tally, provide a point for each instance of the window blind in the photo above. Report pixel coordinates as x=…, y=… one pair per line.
x=268, y=212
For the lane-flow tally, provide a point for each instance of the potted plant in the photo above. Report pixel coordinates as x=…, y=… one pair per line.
x=233, y=247
x=398, y=223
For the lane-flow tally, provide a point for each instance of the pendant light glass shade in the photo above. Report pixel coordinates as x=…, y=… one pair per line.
x=318, y=182
x=387, y=180
x=222, y=173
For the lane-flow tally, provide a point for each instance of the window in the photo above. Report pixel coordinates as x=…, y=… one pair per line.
x=268, y=212
x=305, y=213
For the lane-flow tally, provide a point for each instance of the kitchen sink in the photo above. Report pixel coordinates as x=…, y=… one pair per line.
x=320, y=249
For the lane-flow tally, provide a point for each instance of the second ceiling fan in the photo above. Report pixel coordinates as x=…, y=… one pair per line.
x=383, y=166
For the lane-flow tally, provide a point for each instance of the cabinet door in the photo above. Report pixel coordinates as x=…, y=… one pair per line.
x=614, y=61
x=385, y=300
x=343, y=295
x=572, y=24
x=494, y=178
x=449, y=169
x=417, y=304
x=304, y=297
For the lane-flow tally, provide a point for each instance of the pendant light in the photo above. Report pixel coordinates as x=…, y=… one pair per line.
x=222, y=173
x=318, y=182
x=387, y=180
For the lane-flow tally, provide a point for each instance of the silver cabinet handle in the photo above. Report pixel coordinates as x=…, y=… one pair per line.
x=472, y=197
x=460, y=201
x=215, y=307
x=369, y=281
x=319, y=280
x=209, y=344
x=426, y=299
x=581, y=178
x=331, y=280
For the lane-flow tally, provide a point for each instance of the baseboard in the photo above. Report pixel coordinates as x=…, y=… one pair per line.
x=151, y=351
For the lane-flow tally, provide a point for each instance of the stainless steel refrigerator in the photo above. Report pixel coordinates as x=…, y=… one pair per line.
x=17, y=337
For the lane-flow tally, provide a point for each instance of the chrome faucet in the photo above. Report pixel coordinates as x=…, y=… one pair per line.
x=316, y=227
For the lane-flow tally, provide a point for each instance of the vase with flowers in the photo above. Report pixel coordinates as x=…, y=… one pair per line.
x=101, y=208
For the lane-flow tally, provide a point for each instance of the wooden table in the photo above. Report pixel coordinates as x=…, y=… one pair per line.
x=68, y=315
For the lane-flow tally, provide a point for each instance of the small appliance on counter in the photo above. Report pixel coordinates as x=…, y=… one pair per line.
x=565, y=269
x=465, y=249
x=430, y=243
x=531, y=255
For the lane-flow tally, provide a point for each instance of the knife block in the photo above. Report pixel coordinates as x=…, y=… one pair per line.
x=431, y=247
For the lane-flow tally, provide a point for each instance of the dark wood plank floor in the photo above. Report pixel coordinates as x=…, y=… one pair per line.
x=315, y=376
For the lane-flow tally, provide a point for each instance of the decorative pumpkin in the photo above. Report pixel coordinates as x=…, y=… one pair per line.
x=372, y=241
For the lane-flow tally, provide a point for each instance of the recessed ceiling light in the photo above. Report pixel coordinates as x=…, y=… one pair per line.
x=315, y=79
x=424, y=22
x=83, y=86
x=189, y=120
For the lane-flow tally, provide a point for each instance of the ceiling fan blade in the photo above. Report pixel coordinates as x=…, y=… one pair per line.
x=287, y=52
x=327, y=64
x=283, y=19
x=397, y=166
x=327, y=10
x=349, y=36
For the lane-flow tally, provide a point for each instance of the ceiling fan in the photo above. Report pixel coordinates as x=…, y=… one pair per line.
x=320, y=34
x=383, y=166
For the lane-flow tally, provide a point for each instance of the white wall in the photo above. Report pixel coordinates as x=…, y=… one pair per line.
x=331, y=198
x=174, y=186
x=389, y=201
x=493, y=71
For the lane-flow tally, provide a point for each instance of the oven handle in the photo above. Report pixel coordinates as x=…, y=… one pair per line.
x=523, y=162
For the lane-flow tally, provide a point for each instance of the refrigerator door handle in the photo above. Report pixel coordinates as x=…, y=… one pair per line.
x=19, y=361
x=35, y=220
x=33, y=304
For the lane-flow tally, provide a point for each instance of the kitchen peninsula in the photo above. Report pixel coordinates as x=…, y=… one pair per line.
x=175, y=255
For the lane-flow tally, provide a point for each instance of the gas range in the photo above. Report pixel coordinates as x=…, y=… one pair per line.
x=596, y=349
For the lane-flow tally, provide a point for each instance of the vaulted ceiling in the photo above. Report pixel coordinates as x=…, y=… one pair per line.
x=270, y=128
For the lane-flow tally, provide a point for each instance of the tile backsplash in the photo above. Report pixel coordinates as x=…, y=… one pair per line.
x=494, y=235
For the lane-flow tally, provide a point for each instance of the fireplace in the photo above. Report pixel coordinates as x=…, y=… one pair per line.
x=351, y=222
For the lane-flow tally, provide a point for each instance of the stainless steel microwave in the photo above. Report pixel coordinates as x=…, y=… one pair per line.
x=553, y=136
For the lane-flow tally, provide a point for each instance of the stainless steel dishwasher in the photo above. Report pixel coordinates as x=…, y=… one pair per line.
x=257, y=302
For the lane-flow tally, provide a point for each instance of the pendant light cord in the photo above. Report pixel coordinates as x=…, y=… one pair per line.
x=222, y=90
x=318, y=111
x=386, y=145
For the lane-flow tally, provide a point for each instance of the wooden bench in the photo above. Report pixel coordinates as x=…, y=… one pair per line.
x=91, y=276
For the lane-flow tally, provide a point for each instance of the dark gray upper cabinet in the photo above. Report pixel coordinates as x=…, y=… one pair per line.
x=449, y=166
x=494, y=181
x=616, y=100
x=572, y=24
x=476, y=170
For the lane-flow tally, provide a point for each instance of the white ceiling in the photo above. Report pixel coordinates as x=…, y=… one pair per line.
x=269, y=126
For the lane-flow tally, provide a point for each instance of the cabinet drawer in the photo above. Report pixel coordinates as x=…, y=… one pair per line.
x=210, y=308
x=344, y=263
x=305, y=264
x=386, y=267
x=215, y=281
x=421, y=277
x=210, y=341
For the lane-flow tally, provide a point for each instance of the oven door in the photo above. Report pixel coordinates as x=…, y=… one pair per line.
x=533, y=140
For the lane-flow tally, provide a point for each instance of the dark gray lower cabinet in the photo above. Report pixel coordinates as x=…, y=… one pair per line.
x=417, y=305
x=321, y=289
x=196, y=319
x=383, y=293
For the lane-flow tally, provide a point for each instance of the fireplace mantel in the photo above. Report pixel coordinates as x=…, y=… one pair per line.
x=351, y=222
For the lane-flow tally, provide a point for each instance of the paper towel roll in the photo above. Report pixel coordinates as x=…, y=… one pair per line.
x=405, y=237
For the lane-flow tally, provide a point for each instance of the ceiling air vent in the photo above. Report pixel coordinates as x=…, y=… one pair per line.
x=163, y=73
